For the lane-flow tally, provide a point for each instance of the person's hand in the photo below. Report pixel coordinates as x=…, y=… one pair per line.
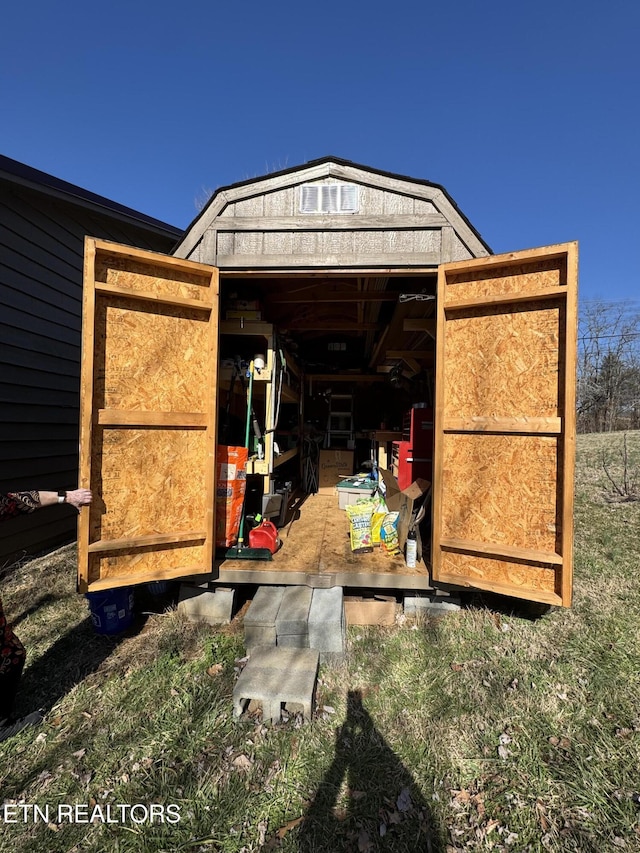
x=79, y=497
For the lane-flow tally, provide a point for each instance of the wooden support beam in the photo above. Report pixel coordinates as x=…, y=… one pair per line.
x=329, y=296
x=507, y=298
x=145, y=541
x=120, y=417
x=537, y=426
x=159, y=299
x=332, y=326
x=525, y=555
x=403, y=353
x=415, y=324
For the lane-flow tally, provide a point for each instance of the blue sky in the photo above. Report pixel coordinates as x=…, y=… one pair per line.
x=527, y=113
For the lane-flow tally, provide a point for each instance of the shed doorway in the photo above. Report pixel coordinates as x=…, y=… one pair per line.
x=348, y=357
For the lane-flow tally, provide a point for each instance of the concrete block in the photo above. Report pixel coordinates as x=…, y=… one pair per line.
x=291, y=660
x=293, y=641
x=418, y=605
x=264, y=608
x=327, y=627
x=213, y=606
x=293, y=614
x=258, y=635
x=277, y=675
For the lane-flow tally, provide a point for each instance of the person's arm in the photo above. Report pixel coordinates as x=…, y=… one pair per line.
x=75, y=497
x=16, y=503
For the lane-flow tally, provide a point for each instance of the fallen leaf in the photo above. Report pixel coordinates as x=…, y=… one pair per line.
x=456, y=667
x=461, y=796
x=242, y=762
x=383, y=830
x=79, y=754
x=503, y=752
x=404, y=800
x=542, y=818
x=357, y=795
x=288, y=827
x=364, y=842
x=53, y=827
x=56, y=721
x=215, y=669
x=623, y=733
x=174, y=692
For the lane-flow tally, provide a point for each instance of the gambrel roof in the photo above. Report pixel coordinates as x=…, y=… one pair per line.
x=388, y=202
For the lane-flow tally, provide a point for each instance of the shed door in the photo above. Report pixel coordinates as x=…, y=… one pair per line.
x=505, y=423
x=148, y=411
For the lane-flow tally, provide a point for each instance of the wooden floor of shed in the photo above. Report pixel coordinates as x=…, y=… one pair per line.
x=316, y=550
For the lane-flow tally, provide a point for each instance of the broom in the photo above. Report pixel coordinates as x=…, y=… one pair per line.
x=239, y=551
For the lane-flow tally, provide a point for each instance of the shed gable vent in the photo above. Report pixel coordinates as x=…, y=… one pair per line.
x=329, y=198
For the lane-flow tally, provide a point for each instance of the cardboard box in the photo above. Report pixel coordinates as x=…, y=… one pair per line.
x=409, y=499
x=334, y=464
x=380, y=610
x=392, y=489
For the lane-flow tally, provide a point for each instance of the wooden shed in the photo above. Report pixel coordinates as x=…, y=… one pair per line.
x=43, y=223
x=389, y=334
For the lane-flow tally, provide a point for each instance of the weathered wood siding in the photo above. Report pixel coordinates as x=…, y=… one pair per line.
x=41, y=260
x=398, y=224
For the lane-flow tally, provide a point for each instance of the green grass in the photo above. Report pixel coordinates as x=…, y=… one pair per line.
x=488, y=729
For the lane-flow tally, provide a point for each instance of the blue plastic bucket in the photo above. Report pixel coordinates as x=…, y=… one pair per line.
x=158, y=587
x=111, y=609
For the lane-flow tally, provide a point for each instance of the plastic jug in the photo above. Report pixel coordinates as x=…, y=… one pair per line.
x=264, y=536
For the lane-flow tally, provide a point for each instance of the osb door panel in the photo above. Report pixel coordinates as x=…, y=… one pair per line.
x=148, y=416
x=505, y=423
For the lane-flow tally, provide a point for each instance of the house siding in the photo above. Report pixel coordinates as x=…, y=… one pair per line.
x=41, y=267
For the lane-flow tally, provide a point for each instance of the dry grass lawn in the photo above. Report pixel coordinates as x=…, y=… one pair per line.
x=494, y=728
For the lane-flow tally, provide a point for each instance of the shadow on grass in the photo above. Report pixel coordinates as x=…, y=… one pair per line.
x=368, y=800
x=43, y=601
x=519, y=608
x=72, y=657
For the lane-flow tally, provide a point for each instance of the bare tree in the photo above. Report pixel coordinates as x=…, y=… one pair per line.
x=608, y=367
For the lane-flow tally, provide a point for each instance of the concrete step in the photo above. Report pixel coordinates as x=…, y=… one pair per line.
x=275, y=675
x=297, y=617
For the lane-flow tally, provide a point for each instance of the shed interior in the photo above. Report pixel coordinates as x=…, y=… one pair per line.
x=352, y=355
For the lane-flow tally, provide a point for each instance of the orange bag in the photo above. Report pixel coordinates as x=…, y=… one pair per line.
x=231, y=481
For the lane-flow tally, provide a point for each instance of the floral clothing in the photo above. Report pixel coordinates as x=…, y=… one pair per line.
x=16, y=503
x=12, y=652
